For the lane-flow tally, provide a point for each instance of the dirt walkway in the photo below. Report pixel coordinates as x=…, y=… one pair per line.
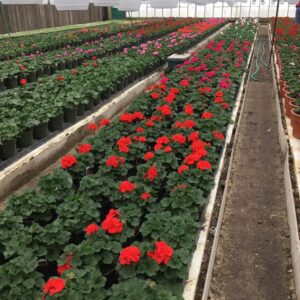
x=253, y=258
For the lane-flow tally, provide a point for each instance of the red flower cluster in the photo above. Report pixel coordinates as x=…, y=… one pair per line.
x=151, y=174
x=129, y=118
x=92, y=127
x=92, y=228
x=182, y=168
x=123, y=144
x=104, y=122
x=204, y=165
x=204, y=90
x=155, y=96
x=60, y=78
x=148, y=155
x=129, y=255
x=165, y=110
x=114, y=161
x=188, y=109
x=112, y=224
x=54, y=286
x=126, y=186
x=179, y=138
x=145, y=196
x=84, y=148
x=162, y=254
x=163, y=140
x=218, y=135
x=207, y=115
x=184, y=83
x=23, y=81
x=186, y=124
x=68, y=161
x=61, y=269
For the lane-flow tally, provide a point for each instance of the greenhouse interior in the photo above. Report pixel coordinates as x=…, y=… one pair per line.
x=149, y=150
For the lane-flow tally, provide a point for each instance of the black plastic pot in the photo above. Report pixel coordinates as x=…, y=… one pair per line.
x=1, y=85
x=80, y=109
x=26, y=139
x=8, y=149
x=40, y=131
x=96, y=101
x=39, y=73
x=70, y=115
x=11, y=83
x=120, y=86
x=89, y=105
x=105, y=95
x=56, y=123
x=31, y=77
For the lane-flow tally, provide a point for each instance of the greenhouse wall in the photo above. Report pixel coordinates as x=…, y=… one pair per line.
x=44, y=16
x=262, y=9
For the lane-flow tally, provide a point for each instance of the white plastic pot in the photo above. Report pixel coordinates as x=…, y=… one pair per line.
x=71, y=4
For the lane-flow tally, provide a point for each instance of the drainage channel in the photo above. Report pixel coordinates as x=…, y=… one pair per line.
x=34, y=163
x=251, y=253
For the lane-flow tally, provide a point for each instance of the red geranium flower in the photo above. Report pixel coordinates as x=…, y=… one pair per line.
x=155, y=96
x=148, y=155
x=179, y=138
x=92, y=127
x=104, y=122
x=95, y=64
x=162, y=140
x=74, y=72
x=54, y=286
x=219, y=135
x=218, y=100
x=168, y=149
x=112, y=224
x=68, y=161
x=204, y=165
x=174, y=91
x=123, y=143
x=94, y=57
x=162, y=253
x=126, y=117
x=219, y=94
x=60, y=78
x=149, y=123
x=207, y=115
x=165, y=110
x=194, y=136
x=126, y=186
x=22, y=68
x=188, y=109
x=23, y=82
x=145, y=196
x=151, y=173
x=61, y=269
x=129, y=255
x=184, y=83
x=84, y=148
x=182, y=168
x=140, y=129
x=92, y=228
x=114, y=161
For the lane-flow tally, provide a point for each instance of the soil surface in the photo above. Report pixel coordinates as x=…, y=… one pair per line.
x=253, y=260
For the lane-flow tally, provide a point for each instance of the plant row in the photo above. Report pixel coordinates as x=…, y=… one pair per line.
x=287, y=50
x=27, y=112
x=33, y=66
x=15, y=46
x=120, y=217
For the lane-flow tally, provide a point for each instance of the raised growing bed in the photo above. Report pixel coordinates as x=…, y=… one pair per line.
x=39, y=64
x=137, y=189
x=88, y=85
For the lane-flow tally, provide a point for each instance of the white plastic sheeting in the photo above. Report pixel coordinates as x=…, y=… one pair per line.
x=106, y=3
x=71, y=4
x=163, y=3
x=129, y=5
x=22, y=1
